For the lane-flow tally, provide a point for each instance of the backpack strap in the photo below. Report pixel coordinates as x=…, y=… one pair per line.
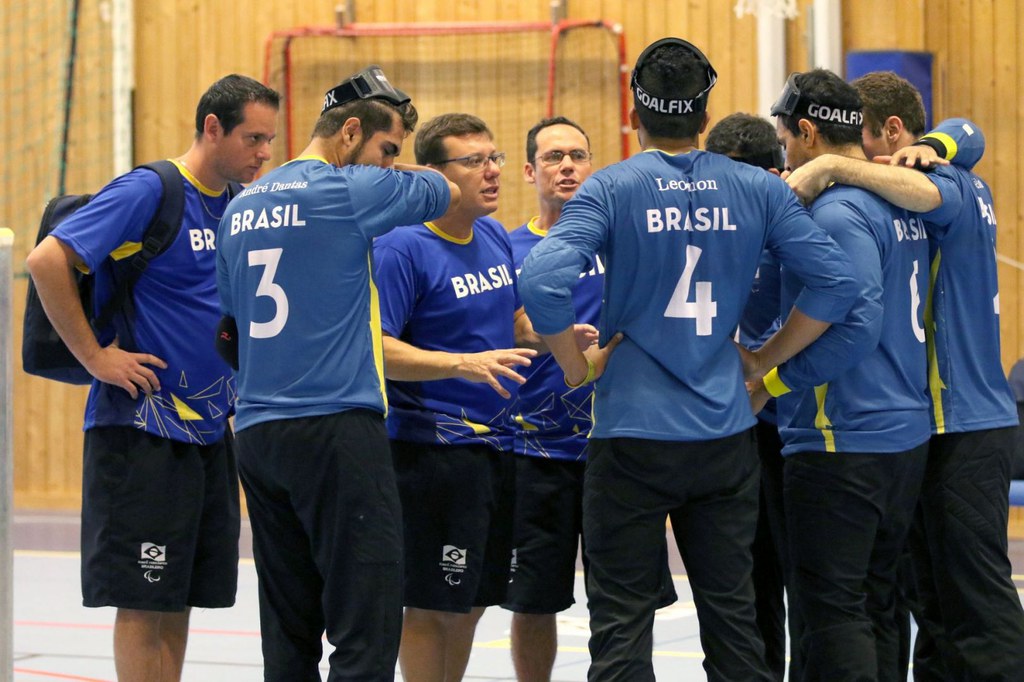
x=159, y=235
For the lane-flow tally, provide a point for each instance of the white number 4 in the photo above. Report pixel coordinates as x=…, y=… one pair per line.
x=703, y=308
x=269, y=258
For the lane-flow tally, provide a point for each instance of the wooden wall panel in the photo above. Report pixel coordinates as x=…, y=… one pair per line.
x=183, y=45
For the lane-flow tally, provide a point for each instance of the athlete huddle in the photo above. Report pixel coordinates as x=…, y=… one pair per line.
x=439, y=432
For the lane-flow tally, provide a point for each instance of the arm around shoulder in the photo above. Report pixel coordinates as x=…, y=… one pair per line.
x=453, y=189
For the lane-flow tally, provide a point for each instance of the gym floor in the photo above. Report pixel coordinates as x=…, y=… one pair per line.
x=55, y=638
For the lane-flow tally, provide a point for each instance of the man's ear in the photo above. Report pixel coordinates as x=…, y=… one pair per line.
x=529, y=173
x=212, y=126
x=808, y=133
x=634, y=119
x=892, y=129
x=704, y=124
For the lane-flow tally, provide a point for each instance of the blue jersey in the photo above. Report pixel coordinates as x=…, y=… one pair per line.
x=176, y=310
x=294, y=271
x=968, y=389
x=554, y=420
x=862, y=385
x=681, y=237
x=457, y=296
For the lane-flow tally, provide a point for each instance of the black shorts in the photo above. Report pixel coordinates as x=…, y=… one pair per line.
x=160, y=521
x=547, y=533
x=457, y=503
x=548, y=524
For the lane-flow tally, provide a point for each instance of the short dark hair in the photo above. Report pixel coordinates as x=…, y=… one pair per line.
x=429, y=147
x=886, y=94
x=742, y=135
x=226, y=99
x=374, y=116
x=671, y=68
x=531, y=136
x=824, y=87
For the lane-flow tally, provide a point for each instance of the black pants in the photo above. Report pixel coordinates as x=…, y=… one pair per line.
x=327, y=539
x=769, y=551
x=847, y=516
x=709, y=489
x=970, y=621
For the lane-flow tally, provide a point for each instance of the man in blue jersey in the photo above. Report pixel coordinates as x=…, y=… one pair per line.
x=160, y=517
x=294, y=274
x=970, y=621
x=553, y=423
x=752, y=140
x=853, y=409
x=448, y=301
x=681, y=233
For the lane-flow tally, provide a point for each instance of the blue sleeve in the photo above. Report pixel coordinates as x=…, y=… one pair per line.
x=119, y=213
x=845, y=344
x=806, y=251
x=383, y=198
x=396, y=286
x=942, y=220
x=963, y=142
x=552, y=269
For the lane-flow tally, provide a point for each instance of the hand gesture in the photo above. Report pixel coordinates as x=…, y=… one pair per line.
x=487, y=366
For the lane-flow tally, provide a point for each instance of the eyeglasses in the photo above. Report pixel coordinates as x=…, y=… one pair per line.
x=474, y=161
x=555, y=156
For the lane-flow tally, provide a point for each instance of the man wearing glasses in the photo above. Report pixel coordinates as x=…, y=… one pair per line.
x=448, y=303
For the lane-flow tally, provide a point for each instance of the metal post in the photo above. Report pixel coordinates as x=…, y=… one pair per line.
x=6, y=457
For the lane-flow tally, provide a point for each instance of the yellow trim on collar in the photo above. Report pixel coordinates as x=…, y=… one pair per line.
x=195, y=181
x=447, y=237
x=310, y=157
x=532, y=227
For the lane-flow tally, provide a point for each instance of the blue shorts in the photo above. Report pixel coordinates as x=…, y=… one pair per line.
x=160, y=521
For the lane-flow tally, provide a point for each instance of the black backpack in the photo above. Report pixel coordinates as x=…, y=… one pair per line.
x=43, y=353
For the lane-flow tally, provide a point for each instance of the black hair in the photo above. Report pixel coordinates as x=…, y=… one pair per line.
x=671, y=68
x=742, y=135
x=822, y=86
x=226, y=99
x=531, y=136
x=374, y=116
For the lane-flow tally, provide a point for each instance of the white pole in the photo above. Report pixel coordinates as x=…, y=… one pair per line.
x=122, y=32
x=771, y=59
x=827, y=35
x=6, y=457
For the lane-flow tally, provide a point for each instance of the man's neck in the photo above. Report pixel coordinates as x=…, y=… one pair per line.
x=318, y=146
x=196, y=161
x=852, y=151
x=549, y=215
x=669, y=145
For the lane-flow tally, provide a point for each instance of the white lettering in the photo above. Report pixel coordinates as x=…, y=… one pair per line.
x=654, y=220
x=460, y=287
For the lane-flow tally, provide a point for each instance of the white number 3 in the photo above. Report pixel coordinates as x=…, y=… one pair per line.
x=703, y=308
x=269, y=258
